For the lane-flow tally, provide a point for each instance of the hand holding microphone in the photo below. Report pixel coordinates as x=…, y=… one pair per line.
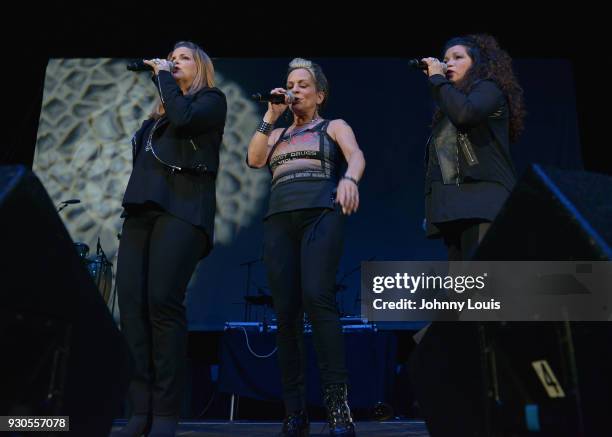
x=434, y=66
x=274, y=98
x=278, y=101
x=159, y=64
x=153, y=64
x=430, y=66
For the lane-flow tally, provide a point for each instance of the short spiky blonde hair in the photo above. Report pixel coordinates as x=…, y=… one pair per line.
x=316, y=72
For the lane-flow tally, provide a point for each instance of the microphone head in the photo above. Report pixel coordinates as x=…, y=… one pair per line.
x=138, y=65
x=416, y=63
x=274, y=98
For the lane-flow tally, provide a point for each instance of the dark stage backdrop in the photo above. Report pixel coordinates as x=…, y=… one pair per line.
x=91, y=108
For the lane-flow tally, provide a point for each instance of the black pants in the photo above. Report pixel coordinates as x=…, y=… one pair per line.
x=461, y=237
x=302, y=250
x=438, y=361
x=157, y=256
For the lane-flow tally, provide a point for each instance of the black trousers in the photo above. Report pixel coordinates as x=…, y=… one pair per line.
x=302, y=250
x=157, y=256
x=438, y=362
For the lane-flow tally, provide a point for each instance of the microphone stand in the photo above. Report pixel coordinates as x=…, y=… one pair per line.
x=247, y=305
x=65, y=203
x=62, y=206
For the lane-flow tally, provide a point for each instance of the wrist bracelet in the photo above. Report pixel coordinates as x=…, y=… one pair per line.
x=265, y=128
x=353, y=180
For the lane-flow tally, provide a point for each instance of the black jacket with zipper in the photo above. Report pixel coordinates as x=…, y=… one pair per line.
x=473, y=132
x=177, y=172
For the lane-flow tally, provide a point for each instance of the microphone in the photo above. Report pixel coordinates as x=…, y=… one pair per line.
x=100, y=251
x=139, y=65
x=273, y=98
x=417, y=63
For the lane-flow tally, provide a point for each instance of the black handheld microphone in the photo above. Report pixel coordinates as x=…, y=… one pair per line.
x=417, y=63
x=139, y=65
x=273, y=98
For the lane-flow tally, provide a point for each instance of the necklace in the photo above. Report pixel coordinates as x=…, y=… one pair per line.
x=293, y=132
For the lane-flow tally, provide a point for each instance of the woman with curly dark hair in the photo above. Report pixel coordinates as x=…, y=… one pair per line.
x=469, y=170
x=469, y=175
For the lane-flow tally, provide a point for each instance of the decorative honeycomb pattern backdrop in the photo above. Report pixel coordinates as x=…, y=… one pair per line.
x=90, y=110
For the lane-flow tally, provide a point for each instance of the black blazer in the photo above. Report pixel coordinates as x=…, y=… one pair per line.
x=188, y=136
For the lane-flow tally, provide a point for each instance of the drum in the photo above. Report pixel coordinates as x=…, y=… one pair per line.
x=102, y=273
x=82, y=249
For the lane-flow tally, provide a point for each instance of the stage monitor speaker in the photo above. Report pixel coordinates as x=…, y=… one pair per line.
x=514, y=379
x=527, y=379
x=553, y=215
x=62, y=352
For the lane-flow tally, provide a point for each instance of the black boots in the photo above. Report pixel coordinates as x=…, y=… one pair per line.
x=338, y=415
x=338, y=412
x=296, y=425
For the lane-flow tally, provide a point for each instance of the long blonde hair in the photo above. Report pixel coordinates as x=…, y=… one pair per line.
x=204, y=77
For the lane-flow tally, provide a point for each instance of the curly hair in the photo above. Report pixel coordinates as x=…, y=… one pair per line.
x=489, y=61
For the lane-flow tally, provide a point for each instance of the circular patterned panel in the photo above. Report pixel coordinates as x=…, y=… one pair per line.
x=91, y=108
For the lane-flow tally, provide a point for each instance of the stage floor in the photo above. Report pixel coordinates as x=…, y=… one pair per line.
x=398, y=428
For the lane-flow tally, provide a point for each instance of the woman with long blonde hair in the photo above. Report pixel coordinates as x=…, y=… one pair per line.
x=169, y=210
